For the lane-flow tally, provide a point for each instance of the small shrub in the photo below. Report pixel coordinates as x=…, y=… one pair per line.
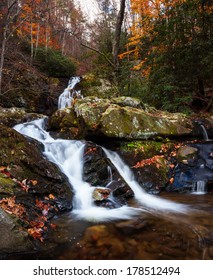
x=54, y=64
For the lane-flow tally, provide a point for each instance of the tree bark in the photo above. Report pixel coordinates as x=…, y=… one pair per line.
x=117, y=36
x=3, y=48
x=10, y=17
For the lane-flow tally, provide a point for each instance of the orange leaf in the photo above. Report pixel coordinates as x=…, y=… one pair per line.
x=34, y=182
x=51, y=196
x=2, y=168
x=171, y=180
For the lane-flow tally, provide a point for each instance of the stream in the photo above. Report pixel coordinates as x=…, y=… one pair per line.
x=169, y=226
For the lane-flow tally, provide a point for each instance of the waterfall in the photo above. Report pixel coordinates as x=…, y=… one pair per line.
x=140, y=195
x=109, y=169
x=205, y=134
x=68, y=156
x=66, y=98
x=200, y=187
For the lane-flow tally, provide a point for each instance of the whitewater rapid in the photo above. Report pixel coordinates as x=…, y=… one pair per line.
x=68, y=156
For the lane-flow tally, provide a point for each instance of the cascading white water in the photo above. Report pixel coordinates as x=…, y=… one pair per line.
x=205, y=134
x=109, y=173
x=66, y=98
x=142, y=197
x=68, y=155
x=199, y=187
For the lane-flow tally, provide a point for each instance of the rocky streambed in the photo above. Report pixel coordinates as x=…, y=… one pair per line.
x=166, y=155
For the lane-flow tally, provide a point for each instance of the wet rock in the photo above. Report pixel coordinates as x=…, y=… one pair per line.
x=210, y=249
x=96, y=166
x=133, y=226
x=12, y=238
x=30, y=182
x=13, y=116
x=99, y=171
x=27, y=162
x=187, y=155
x=148, y=163
x=6, y=185
x=194, y=168
x=100, y=194
x=121, y=189
x=25, y=159
x=107, y=203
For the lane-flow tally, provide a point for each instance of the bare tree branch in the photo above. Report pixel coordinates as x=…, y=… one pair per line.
x=101, y=53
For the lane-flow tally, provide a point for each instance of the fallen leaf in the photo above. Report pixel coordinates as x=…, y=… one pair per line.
x=51, y=196
x=34, y=182
x=171, y=180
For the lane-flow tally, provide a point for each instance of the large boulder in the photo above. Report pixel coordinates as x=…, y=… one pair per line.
x=32, y=192
x=187, y=155
x=13, y=239
x=25, y=160
x=122, y=117
x=14, y=115
x=192, y=168
x=148, y=160
x=99, y=172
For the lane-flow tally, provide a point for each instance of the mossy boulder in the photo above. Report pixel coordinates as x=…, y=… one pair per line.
x=91, y=110
x=28, y=181
x=24, y=156
x=124, y=101
x=14, y=115
x=122, y=117
x=132, y=123
x=64, y=123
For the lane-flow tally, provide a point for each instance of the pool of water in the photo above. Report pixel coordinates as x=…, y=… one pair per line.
x=149, y=236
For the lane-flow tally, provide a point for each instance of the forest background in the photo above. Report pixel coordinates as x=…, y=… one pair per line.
x=160, y=51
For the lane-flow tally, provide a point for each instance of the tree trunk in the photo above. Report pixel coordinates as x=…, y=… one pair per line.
x=3, y=48
x=117, y=36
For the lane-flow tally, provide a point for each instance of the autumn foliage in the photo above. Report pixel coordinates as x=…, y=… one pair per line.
x=170, y=45
x=35, y=221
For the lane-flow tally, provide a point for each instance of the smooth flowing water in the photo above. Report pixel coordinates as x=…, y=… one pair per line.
x=150, y=227
x=66, y=98
x=68, y=155
x=204, y=132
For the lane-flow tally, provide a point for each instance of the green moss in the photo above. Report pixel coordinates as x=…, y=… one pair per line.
x=69, y=120
x=6, y=185
x=145, y=148
x=5, y=181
